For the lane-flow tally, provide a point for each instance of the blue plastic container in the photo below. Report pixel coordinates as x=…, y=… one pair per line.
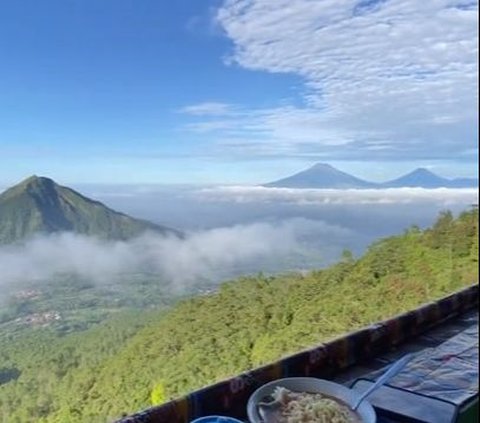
x=216, y=419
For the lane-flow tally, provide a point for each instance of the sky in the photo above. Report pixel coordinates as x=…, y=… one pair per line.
x=236, y=91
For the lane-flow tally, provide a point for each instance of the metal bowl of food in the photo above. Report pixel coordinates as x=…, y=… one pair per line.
x=301, y=399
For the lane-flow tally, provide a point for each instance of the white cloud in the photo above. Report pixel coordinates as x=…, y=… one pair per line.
x=207, y=109
x=402, y=72
x=182, y=262
x=259, y=194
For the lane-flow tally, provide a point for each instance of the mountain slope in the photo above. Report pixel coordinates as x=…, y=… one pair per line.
x=424, y=178
x=321, y=175
x=114, y=368
x=39, y=205
x=464, y=183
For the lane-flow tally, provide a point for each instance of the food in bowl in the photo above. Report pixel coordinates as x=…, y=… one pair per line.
x=302, y=407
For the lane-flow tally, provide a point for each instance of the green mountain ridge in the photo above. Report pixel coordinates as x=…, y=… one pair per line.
x=133, y=361
x=38, y=205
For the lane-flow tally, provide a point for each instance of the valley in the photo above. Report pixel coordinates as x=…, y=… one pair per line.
x=66, y=303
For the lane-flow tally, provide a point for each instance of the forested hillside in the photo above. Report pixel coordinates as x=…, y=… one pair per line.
x=135, y=360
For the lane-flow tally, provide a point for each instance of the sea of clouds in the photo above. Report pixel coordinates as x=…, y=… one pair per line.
x=249, y=194
x=229, y=230
x=181, y=261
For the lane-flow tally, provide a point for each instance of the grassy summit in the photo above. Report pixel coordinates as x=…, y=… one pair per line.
x=39, y=205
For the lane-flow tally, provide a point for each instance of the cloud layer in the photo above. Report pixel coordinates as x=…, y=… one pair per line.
x=258, y=194
x=292, y=228
x=383, y=79
x=204, y=254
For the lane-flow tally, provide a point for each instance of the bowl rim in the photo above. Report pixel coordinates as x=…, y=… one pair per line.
x=203, y=418
x=278, y=382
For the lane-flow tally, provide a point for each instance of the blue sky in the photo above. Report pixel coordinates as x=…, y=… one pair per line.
x=235, y=91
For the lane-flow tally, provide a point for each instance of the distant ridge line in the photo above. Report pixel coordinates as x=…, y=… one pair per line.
x=323, y=175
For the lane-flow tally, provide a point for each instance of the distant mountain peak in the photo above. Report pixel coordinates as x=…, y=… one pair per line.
x=29, y=180
x=321, y=175
x=324, y=175
x=420, y=177
x=425, y=178
x=421, y=171
x=39, y=205
x=35, y=179
x=39, y=181
x=320, y=166
x=42, y=186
